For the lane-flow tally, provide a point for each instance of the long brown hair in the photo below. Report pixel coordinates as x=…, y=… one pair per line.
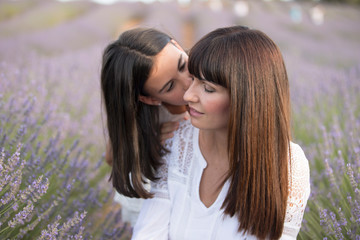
x=250, y=65
x=133, y=126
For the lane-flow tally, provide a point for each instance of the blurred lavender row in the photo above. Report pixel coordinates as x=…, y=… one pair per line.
x=50, y=188
x=53, y=176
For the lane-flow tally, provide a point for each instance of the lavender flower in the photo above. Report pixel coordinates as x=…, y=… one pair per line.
x=32, y=225
x=354, y=184
x=52, y=231
x=75, y=220
x=23, y=216
x=19, y=216
x=36, y=189
x=14, y=185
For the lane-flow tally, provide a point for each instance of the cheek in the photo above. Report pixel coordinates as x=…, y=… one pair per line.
x=175, y=97
x=178, y=96
x=218, y=106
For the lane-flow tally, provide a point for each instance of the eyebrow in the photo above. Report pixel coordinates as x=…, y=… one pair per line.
x=210, y=82
x=179, y=65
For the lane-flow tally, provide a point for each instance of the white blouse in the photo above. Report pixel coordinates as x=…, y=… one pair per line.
x=176, y=211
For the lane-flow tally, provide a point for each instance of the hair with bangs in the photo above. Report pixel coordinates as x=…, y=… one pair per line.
x=133, y=126
x=250, y=65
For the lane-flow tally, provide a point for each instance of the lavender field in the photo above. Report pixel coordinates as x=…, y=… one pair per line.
x=53, y=177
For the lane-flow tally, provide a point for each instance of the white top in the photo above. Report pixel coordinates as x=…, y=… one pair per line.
x=130, y=207
x=177, y=213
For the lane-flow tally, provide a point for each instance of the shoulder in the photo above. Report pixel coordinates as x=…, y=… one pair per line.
x=183, y=133
x=299, y=164
x=299, y=173
x=181, y=148
x=297, y=151
x=299, y=191
x=185, y=128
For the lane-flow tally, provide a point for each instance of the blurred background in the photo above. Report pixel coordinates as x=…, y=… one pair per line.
x=50, y=59
x=58, y=44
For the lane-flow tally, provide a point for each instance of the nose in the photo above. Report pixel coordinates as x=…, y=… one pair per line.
x=190, y=95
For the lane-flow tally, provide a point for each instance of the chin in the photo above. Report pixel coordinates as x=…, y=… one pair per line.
x=196, y=124
x=208, y=126
x=193, y=122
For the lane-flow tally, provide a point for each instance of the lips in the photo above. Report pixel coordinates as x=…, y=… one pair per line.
x=193, y=112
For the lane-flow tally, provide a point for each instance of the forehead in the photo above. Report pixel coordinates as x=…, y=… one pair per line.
x=165, y=67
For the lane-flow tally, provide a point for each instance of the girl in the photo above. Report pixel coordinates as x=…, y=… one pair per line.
x=144, y=76
x=236, y=175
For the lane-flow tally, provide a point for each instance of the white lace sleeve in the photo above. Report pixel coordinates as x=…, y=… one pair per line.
x=160, y=187
x=153, y=221
x=154, y=217
x=299, y=182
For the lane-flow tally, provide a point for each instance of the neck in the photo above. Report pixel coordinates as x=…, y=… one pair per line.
x=214, y=146
x=173, y=109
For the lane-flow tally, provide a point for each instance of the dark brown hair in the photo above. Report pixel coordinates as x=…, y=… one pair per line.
x=250, y=65
x=133, y=126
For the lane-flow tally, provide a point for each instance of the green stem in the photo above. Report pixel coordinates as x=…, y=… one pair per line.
x=3, y=230
x=4, y=190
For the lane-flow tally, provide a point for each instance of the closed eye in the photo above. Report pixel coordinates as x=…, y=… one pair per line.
x=182, y=67
x=208, y=89
x=171, y=86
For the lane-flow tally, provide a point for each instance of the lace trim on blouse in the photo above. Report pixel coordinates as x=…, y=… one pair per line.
x=179, y=158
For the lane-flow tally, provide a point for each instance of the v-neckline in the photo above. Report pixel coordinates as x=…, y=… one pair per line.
x=203, y=164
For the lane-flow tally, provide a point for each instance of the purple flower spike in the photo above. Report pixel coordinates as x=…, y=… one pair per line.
x=23, y=216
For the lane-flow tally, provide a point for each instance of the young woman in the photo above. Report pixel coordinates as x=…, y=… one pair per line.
x=144, y=76
x=234, y=173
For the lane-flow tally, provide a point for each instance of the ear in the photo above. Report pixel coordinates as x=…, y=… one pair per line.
x=149, y=100
x=177, y=45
